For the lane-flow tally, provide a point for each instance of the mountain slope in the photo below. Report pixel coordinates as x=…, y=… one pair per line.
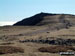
x=41, y=19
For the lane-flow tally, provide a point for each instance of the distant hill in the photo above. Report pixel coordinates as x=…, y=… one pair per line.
x=41, y=19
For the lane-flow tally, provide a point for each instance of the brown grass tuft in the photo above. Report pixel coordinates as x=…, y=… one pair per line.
x=7, y=43
x=10, y=49
x=56, y=49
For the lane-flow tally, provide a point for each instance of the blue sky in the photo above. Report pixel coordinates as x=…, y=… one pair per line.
x=16, y=10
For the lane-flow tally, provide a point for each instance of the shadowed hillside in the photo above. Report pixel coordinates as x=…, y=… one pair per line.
x=34, y=20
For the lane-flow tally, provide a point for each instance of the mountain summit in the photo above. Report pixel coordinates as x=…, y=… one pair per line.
x=42, y=19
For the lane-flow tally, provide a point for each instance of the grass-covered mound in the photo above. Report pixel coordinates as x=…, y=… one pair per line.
x=56, y=49
x=10, y=49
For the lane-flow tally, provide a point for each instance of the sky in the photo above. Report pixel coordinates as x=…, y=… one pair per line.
x=12, y=11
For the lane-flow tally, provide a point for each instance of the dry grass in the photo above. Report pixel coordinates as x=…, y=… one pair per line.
x=31, y=49
x=7, y=43
x=56, y=49
x=10, y=49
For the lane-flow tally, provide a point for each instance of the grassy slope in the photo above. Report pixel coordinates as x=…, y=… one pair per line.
x=31, y=48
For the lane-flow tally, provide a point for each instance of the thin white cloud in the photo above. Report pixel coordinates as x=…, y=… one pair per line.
x=6, y=23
